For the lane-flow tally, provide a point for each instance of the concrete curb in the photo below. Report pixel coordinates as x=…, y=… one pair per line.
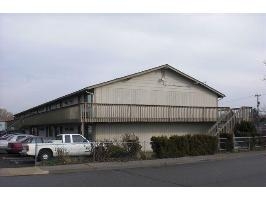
x=22, y=171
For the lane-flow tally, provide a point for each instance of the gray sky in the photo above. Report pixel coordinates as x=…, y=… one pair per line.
x=45, y=56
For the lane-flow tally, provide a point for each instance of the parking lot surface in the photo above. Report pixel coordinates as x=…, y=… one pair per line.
x=14, y=160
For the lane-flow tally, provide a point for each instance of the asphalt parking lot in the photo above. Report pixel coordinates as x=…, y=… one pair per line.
x=14, y=160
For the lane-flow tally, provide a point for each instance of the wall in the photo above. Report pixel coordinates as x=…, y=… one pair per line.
x=42, y=131
x=115, y=131
x=150, y=90
x=70, y=129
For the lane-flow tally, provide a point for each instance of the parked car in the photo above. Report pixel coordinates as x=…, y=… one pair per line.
x=70, y=144
x=17, y=146
x=8, y=134
x=3, y=133
x=11, y=138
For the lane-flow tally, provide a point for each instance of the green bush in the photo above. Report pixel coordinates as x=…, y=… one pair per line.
x=245, y=129
x=159, y=145
x=202, y=145
x=116, y=151
x=178, y=146
x=227, y=144
x=129, y=147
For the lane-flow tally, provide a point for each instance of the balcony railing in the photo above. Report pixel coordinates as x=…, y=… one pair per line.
x=96, y=112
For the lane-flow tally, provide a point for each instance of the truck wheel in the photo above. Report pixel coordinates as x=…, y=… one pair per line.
x=45, y=155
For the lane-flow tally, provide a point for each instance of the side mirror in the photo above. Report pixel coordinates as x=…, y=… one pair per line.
x=85, y=141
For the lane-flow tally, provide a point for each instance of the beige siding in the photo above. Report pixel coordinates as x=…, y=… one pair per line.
x=150, y=90
x=115, y=131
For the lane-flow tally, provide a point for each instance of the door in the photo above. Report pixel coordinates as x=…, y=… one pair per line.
x=80, y=146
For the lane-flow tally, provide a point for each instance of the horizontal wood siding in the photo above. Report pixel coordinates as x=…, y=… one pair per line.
x=149, y=89
x=115, y=131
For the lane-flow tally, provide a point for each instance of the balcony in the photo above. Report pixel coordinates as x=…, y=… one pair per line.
x=96, y=112
x=69, y=114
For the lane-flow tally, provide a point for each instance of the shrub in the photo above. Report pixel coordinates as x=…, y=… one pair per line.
x=202, y=145
x=159, y=145
x=131, y=145
x=245, y=129
x=116, y=151
x=227, y=144
x=100, y=153
x=62, y=156
x=178, y=146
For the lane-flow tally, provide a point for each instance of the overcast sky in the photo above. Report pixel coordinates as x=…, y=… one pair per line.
x=45, y=56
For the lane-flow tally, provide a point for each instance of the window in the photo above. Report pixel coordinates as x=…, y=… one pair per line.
x=20, y=137
x=59, y=137
x=37, y=140
x=28, y=140
x=67, y=139
x=88, y=98
x=77, y=139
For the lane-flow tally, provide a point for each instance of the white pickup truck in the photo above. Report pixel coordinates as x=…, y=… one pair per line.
x=70, y=144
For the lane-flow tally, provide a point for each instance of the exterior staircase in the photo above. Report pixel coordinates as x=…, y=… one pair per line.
x=229, y=119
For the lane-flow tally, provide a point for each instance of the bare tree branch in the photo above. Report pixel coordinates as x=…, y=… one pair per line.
x=5, y=115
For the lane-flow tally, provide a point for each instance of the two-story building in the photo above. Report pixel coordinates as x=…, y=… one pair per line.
x=157, y=101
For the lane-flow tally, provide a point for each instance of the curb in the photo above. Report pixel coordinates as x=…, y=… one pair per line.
x=22, y=171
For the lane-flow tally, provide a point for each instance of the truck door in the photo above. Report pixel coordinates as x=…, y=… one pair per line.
x=80, y=146
x=68, y=145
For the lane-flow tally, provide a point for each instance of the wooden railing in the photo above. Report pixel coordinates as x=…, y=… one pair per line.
x=227, y=123
x=96, y=112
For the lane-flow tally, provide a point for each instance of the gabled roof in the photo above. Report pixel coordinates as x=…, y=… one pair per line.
x=166, y=66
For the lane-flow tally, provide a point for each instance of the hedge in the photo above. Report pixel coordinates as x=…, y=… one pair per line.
x=187, y=145
x=227, y=142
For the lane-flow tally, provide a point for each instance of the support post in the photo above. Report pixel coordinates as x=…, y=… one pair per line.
x=82, y=128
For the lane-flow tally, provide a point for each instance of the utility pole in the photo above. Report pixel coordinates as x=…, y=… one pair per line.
x=258, y=102
x=264, y=62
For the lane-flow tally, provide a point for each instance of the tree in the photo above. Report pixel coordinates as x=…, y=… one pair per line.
x=5, y=115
